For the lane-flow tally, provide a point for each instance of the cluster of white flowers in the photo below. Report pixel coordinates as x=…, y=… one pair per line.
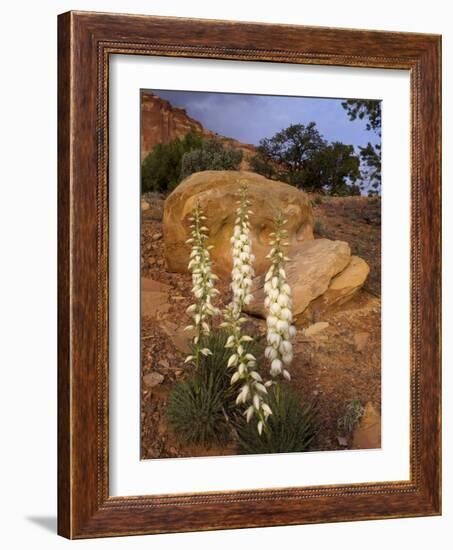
x=203, y=280
x=278, y=303
x=243, y=258
x=252, y=389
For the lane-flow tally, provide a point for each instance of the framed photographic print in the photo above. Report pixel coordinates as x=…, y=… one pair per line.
x=249, y=275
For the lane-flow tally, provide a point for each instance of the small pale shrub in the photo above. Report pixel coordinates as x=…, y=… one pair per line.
x=352, y=414
x=211, y=155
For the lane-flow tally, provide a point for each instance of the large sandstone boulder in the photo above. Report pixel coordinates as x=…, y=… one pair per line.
x=218, y=192
x=344, y=285
x=309, y=270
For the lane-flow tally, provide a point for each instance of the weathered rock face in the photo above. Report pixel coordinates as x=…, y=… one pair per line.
x=309, y=270
x=344, y=285
x=161, y=122
x=218, y=192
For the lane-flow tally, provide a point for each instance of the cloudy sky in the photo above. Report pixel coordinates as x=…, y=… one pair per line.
x=250, y=118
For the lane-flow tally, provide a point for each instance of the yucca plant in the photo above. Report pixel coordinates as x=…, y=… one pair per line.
x=252, y=389
x=202, y=409
x=291, y=427
x=196, y=412
x=203, y=289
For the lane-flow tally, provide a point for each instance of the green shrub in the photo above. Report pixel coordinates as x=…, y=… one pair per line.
x=212, y=155
x=345, y=190
x=291, y=427
x=161, y=168
x=373, y=198
x=319, y=228
x=202, y=409
x=167, y=164
x=196, y=412
x=316, y=200
x=213, y=370
x=261, y=164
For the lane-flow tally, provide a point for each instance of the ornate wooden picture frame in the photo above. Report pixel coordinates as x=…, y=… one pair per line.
x=86, y=41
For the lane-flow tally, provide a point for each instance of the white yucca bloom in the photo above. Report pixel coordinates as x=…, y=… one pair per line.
x=203, y=281
x=252, y=390
x=241, y=249
x=278, y=303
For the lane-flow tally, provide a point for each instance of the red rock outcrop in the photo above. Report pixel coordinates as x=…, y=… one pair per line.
x=161, y=122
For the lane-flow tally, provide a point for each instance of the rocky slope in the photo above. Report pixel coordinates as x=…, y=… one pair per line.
x=337, y=346
x=337, y=350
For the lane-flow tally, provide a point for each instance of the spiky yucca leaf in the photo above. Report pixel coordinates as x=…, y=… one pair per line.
x=291, y=427
x=196, y=412
x=201, y=409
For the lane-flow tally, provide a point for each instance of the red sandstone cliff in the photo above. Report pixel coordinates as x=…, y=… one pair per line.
x=162, y=123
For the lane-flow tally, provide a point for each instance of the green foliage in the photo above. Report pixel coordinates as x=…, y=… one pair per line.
x=167, y=164
x=291, y=427
x=352, y=414
x=309, y=162
x=211, y=155
x=316, y=200
x=371, y=159
x=319, y=228
x=161, y=168
x=202, y=409
x=293, y=145
x=261, y=164
x=365, y=109
x=370, y=155
x=196, y=412
x=335, y=167
x=212, y=369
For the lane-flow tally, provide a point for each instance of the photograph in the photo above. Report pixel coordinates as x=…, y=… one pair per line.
x=260, y=274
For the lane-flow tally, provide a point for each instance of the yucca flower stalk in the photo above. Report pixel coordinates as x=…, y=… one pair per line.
x=203, y=280
x=252, y=389
x=278, y=303
x=243, y=257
